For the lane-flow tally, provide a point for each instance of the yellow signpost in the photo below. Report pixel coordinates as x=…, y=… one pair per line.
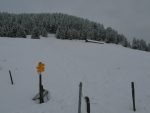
x=40, y=68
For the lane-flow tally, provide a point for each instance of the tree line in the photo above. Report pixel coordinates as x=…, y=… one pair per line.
x=64, y=26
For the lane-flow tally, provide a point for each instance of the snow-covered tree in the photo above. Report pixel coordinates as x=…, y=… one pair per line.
x=143, y=45
x=20, y=32
x=61, y=32
x=148, y=47
x=134, y=44
x=35, y=33
x=43, y=32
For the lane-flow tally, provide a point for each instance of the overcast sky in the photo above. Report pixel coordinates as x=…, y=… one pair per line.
x=130, y=17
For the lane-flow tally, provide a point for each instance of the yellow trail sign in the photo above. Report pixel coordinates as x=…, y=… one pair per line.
x=41, y=67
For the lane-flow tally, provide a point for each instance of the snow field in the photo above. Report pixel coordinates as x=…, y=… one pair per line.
x=106, y=71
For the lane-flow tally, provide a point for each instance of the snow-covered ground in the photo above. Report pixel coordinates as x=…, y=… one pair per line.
x=106, y=71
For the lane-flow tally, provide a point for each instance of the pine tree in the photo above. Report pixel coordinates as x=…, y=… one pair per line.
x=69, y=34
x=125, y=42
x=1, y=32
x=110, y=35
x=148, y=47
x=43, y=32
x=20, y=32
x=61, y=32
x=143, y=45
x=58, y=33
x=134, y=44
x=35, y=33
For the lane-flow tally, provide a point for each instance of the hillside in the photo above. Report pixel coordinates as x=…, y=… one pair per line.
x=106, y=71
x=65, y=27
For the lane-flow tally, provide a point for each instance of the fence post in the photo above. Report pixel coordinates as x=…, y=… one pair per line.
x=133, y=95
x=11, y=77
x=80, y=95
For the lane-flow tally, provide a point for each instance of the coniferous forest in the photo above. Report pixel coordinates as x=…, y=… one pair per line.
x=65, y=27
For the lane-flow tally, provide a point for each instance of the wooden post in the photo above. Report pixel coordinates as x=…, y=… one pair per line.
x=133, y=96
x=11, y=77
x=41, y=89
x=80, y=95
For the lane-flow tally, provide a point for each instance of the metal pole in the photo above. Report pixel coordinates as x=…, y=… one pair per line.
x=11, y=77
x=87, y=104
x=80, y=94
x=40, y=89
x=133, y=96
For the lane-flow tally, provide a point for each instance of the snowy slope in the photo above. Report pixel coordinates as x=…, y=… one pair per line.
x=106, y=71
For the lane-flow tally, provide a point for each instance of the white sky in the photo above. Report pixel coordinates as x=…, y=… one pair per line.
x=130, y=17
